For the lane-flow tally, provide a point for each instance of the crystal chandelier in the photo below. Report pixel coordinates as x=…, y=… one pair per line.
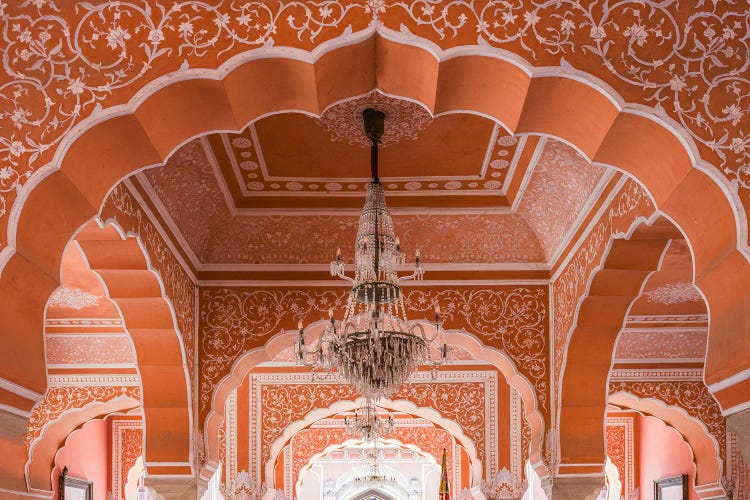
x=375, y=347
x=368, y=423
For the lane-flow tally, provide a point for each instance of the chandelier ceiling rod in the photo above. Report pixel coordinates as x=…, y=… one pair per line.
x=374, y=129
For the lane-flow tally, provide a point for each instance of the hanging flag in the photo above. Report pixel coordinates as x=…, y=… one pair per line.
x=444, y=493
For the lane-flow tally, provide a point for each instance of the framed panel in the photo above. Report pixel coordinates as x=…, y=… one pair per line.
x=71, y=488
x=671, y=488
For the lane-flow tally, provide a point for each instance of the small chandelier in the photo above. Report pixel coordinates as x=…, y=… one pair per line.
x=368, y=423
x=375, y=347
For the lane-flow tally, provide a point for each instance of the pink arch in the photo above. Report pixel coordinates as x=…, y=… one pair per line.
x=705, y=449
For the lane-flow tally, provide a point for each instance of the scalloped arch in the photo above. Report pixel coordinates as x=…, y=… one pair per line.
x=399, y=405
x=279, y=342
x=705, y=449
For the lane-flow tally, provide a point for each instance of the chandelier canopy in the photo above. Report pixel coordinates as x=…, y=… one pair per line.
x=375, y=347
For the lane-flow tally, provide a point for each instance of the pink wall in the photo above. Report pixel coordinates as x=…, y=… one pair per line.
x=85, y=454
x=662, y=453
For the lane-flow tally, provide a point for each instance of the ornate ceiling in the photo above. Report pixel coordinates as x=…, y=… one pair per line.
x=288, y=189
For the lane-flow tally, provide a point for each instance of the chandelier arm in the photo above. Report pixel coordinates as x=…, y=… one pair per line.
x=343, y=277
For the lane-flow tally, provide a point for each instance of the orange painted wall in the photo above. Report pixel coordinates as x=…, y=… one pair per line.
x=85, y=454
x=662, y=453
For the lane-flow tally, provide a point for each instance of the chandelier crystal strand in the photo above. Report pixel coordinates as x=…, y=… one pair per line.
x=375, y=347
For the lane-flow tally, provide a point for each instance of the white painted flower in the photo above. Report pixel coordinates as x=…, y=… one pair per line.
x=25, y=54
x=186, y=28
x=249, y=165
x=531, y=18
x=333, y=186
x=375, y=6
x=156, y=36
x=19, y=115
x=44, y=36
x=269, y=27
x=17, y=148
x=728, y=51
x=76, y=86
x=509, y=17
x=5, y=173
x=293, y=186
x=733, y=113
x=492, y=185
x=325, y=12
x=637, y=34
x=25, y=36
x=221, y=20
x=482, y=26
x=507, y=141
x=255, y=186
x=413, y=186
x=567, y=25
x=499, y=164
x=709, y=33
x=452, y=185
x=677, y=84
x=597, y=32
x=728, y=33
x=241, y=142
x=244, y=20
x=117, y=36
x=738, y=145
x=428, y=10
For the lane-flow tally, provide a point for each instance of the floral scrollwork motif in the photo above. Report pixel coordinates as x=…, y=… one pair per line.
x=693, y=397
x=58, y=400
x=512, y=319
x=687, y=62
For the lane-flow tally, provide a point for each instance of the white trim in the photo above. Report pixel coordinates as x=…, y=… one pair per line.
x=46, y=495
x=72, y=336
x=647, y=374
x=168, y=241
x=84, y=366
x=94, y=380
x=616, y=191
x=15, y=411
x=730, y=381
x=529, y=173
x=20, y=390
x=166, y=216
x=582, y=214
x=168, y=464
x=510, y=174
x=437, y=266
x=620, y=361
x=332, y=283
x=736, y=409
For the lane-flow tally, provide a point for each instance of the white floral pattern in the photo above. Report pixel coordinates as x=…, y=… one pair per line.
x=674, y=293
x=72, y=298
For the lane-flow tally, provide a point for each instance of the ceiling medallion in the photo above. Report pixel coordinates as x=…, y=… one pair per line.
x=343, y=121
x=375, y=347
